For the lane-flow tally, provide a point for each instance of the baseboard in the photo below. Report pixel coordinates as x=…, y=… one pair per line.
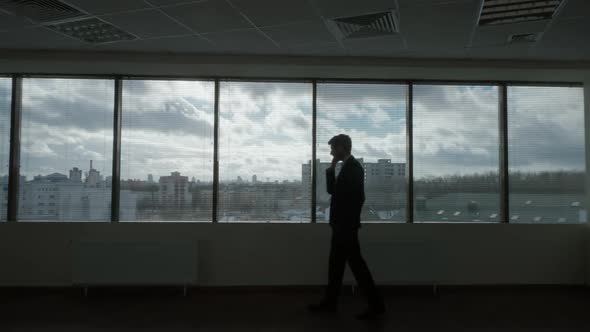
x=286, y=289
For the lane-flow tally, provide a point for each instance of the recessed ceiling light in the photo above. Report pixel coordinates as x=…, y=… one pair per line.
x=512, y=11
x=92, y=30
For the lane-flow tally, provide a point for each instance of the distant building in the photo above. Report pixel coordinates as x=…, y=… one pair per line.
x=60, y=197
x=174, y=191
x=150, y=178
x=254, y=179
x=93, y=178
x=384, y=172
x=76, y=175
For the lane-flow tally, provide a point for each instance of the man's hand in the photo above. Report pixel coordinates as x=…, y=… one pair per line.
x=334, y=162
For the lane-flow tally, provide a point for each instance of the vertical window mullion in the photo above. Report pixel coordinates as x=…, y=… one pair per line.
x=215, y=197
x=503, y=127
x=14, y=161
x=116, y=171
x=409, y=154
x=313, y=165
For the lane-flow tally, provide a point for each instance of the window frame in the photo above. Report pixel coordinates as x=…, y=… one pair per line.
x=16, y=111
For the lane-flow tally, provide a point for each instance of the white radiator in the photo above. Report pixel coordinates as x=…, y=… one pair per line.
x=134, y=263
x=401, y=263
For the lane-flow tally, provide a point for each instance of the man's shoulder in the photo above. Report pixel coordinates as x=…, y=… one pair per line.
x=353, y=161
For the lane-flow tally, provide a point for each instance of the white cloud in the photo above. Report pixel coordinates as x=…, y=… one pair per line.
x=266, y=131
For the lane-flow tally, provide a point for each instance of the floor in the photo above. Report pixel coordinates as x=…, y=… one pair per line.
x=450, y=309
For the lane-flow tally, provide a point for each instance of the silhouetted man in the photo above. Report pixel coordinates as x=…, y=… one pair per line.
x=347, y=197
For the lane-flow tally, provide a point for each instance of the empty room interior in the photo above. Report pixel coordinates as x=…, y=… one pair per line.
x=212, y=165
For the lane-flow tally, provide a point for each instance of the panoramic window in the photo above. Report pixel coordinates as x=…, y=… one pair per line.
x=5, y=101
x=66, y=149
x=374, y=116
x=167, y=150
x=265, y=150
x=456, y=153
x=546, y=154
x=264, y=144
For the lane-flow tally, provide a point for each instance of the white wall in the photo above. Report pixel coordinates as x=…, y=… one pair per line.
x=296, y=254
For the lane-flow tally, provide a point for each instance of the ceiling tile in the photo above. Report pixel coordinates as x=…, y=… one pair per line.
x=492, y=35
x=147, y=24
x=575, y=8
x=247, y=41
x=300, y=33
x=38, y=38
x=508, y=51
x=96, y=7
x=8, y=21
x=375, y=46
x=316, y=49
x=187, y=44
x=339, y=8
x=208, y=16
x=274, y=12
x=570, y=33
x=430, y=26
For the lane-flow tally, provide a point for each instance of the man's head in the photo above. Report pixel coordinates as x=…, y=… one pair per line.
x=340, y=146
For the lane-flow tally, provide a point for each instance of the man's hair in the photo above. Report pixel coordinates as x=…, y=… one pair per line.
x=343, y=141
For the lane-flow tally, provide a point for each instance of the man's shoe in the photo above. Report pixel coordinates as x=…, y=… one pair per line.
x=371, y=313
x=322, y=307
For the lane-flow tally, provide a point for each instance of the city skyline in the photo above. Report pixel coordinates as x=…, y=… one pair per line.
x=58, y=196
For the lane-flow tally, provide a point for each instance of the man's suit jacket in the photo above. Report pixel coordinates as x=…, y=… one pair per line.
x=348, y=195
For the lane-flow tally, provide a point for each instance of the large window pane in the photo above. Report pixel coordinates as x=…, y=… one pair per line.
x=167, y=150
x=264, y=142
x=374, y=116
x=546, y=154
x=456, y=153
x=5, y=100
x=66, y=149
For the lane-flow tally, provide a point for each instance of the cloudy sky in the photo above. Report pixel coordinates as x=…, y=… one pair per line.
x=265, y=128
x=167, y=126
x=66, y=123
x=455, y=129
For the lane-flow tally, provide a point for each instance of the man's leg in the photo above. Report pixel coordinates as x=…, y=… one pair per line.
x=361, y=273
x=337, y=263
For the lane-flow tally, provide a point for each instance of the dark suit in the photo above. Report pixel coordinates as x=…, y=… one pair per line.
x=346, y=203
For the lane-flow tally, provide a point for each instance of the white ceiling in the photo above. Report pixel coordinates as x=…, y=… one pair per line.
x=428, y=29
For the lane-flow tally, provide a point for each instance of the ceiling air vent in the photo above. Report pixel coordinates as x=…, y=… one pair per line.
x=512, y=11
x=92, y=30
x=368, y=25
x=524, y=38
x=42, y=11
